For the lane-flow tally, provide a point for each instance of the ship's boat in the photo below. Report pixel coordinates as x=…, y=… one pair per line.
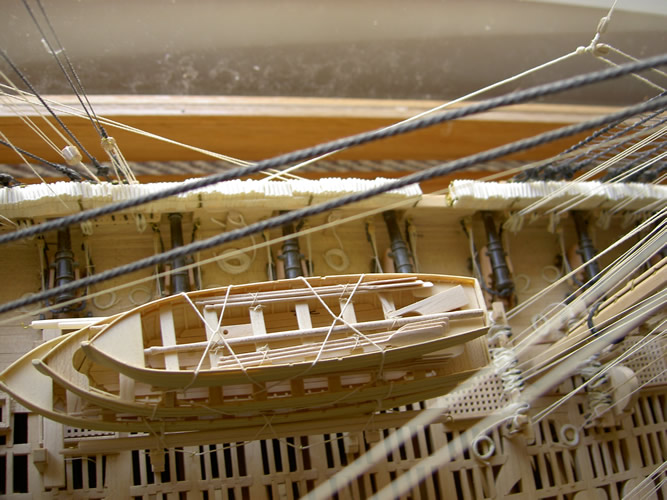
x=297, y=349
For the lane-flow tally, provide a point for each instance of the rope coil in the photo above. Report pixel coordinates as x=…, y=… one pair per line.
x=598, y=400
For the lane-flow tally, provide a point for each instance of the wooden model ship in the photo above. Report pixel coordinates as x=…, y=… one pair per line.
x=286, y=334
x=232, y=357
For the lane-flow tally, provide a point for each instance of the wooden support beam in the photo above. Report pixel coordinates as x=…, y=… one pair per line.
x=253, y=128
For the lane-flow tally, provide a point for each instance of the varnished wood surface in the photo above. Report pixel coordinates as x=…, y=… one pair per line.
x=253, y=128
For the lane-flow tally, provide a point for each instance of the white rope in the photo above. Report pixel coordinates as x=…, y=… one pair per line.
x=628, y=56
x=572, y=203
x=370, y=232
x=445, y=453
x=7, y=219
x=589, y=174
x=611, y=276
x=309, y=251
x=631, y=495
x=639, y=346
x=596, y=373
x=445, y=105
x=6, y=139
x=118, y=161
x=412, y=233
x=235, y=260
x=269, y=256
x=157, y=243
x=336, y=258
x=654, y=489
x=477, y=273
x=70, y=110
x=597, y=54
x=556, y=358
x=29, y=122
x=635, y=231
x=303, y=232
x=215, y=331
x=103, y=306
x=416, y=474
x=339, y=317
x=141, y=222
x=141, y=289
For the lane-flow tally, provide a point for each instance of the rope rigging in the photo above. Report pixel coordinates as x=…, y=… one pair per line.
x=300, y=214
x=367, y=137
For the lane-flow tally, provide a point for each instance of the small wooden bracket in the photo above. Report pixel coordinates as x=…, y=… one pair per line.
x=5, y=413
x=39, y=458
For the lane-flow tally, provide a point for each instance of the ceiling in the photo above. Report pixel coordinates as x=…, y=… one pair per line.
x=424, y=49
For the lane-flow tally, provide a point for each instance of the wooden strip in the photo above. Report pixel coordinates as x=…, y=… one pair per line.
x=211, y=319
x=423, y=333
x=315, y=332
x=447, y=300
x=277, y=125
x=472, y=358
x=283, y=292
x=349, y=313
x=288, y=296
x=254, y=356
x=168, y=334
x=257, y=321
x=66, y=323
x=129, y=347
x=303, y=316
x=387, y=303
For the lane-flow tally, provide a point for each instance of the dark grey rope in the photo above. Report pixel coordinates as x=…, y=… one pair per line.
x=554, y=166
x=347, y=142
x=98, y=126
x=302, y=213
x=72, y=174
x=48, y=108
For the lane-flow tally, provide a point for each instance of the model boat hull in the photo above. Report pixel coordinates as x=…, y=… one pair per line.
x=292, y=350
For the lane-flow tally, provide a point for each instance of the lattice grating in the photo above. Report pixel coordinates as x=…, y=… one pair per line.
x=588, y=463
x=483, y=398
x=77, y=433
x=650, y=361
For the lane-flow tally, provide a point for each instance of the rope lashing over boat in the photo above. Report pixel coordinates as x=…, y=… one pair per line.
x=215, y=331
x=339, y=317
x=366, y=137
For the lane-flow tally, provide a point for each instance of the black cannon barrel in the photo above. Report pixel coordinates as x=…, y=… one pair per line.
x=291, y=254
x=180, y=281
x=501, y=276
x=399, y=249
